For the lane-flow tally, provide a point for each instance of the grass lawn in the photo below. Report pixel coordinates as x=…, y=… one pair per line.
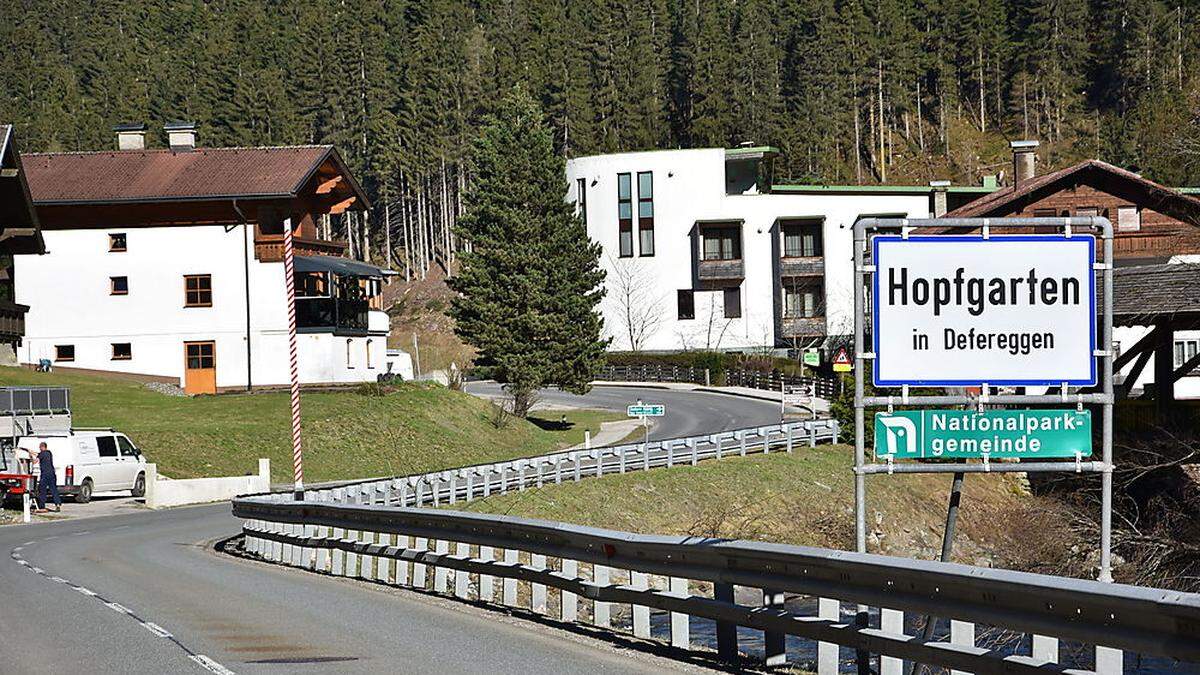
x=420, y=427
x=802, y=498
x=577, y=421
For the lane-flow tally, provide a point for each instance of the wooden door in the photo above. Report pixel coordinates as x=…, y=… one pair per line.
x=200, y=367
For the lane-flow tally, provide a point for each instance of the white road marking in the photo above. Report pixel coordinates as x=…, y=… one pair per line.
x=85, y=591
x=38, y=570
x=59, y=580
x=118, y=607
x=18, y=549
x=156, y=629
x=210, y=665
x=80, y=534
x=26, y=543
x=23, y=562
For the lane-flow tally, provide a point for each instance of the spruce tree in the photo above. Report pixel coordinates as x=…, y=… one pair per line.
x=529, y=286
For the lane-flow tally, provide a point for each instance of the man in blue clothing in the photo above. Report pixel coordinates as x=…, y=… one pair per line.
x=48, y=481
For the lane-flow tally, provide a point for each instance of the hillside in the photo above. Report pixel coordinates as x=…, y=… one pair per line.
x=416, y=428
x=806, y=498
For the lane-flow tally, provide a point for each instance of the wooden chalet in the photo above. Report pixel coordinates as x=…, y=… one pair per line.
x=1151, y=222
x=187, y=185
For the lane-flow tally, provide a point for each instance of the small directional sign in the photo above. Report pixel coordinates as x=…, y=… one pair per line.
x=841, y=362
x=646, y=410
x=812, y=358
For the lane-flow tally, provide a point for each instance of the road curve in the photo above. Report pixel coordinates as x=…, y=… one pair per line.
x=689, y=413
x=145, y=593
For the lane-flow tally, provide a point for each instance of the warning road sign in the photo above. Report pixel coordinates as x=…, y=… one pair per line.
x=841, y=362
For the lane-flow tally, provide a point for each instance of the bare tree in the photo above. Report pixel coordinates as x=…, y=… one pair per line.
x=711, y=328
x=634, y=292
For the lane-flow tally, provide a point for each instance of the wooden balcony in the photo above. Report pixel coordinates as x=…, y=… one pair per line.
x=802, y=267
x=12, y=321
x=269, y=247
x=802, y=327
x=721, y=270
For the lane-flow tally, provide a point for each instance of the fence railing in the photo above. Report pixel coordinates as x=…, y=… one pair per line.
x=471, y=482
x=735, y=377
x=615, y=580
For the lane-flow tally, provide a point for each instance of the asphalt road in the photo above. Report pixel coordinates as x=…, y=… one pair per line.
x=143, y=591
x=689, y=413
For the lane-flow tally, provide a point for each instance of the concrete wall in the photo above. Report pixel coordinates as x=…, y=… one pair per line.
x=690, y=186
x=163, y=493
x=68, y=293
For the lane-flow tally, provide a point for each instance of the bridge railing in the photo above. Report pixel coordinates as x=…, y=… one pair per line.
x=451, y=486
x=616, y=580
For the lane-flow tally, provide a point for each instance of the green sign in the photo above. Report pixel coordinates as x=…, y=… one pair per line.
x=646, y=410
x=812, y=358
x=951, y=434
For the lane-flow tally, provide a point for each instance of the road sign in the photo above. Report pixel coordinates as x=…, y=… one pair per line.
x=841, y=362
x=953, y=310
x=957, y=434
x=812, y=358
x=646, y=410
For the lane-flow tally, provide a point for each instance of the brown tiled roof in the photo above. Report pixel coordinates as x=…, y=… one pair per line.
x=130, y=176
x=1158, y=197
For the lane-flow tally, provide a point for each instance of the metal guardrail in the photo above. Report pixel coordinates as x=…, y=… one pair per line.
x=735, y=377
x=31, y=400
x=697, y=577
x=452, y=485
x=369, y=530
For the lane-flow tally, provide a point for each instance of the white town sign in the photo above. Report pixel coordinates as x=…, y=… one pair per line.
x=961, y=310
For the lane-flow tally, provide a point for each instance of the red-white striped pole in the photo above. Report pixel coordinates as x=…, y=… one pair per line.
x=289, y=274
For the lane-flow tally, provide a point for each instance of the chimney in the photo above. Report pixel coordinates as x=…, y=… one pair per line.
x=131, y=136
x=940, y=188
x=181, y=136
x=1024, y=156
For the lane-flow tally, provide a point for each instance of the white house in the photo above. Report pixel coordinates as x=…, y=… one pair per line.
x=702, y=252
x=167, y=263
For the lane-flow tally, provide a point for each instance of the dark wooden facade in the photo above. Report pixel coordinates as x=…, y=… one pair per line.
x=1169, y=221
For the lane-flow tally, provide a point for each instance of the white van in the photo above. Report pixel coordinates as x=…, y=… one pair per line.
x=89, y=461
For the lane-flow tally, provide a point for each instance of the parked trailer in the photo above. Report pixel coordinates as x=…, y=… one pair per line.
x=28, y=411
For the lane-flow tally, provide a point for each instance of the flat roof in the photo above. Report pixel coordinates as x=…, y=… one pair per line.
x=752, y=150
x=880, y=189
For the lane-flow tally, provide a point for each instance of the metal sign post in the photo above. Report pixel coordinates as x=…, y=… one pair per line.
x=1008, y=328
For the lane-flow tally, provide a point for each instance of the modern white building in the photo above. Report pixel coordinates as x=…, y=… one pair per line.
x=703, y=252
x=167, y=263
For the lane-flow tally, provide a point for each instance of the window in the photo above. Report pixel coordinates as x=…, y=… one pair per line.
x=1087, y=211
x=312, y=285
x=369, y=354
x=721, y=243
x=733, y=303
x=201, y=355
x=802, y=240
x=64, y=352
x=107, y=446
x=1185, y=350
x=581, y=198
x=624, y=215
x=803, y=300
x=1129, y=219
x=116, y=242
x=118, y=285
x=122, y=351
x=686, y=302
x=646, y=213
x=1044, y=213
x=197, y=290
x=127, y=448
